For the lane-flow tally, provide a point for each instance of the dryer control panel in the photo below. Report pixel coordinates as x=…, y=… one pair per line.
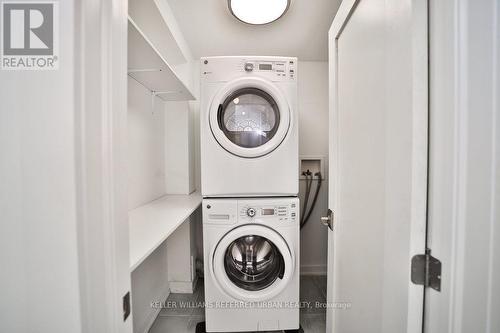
x=215, y=69
x=279, y=69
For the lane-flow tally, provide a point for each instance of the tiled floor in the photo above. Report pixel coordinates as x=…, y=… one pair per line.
x=184, y=311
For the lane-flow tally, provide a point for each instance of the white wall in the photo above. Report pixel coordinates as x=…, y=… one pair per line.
x=180, y=247
x=149, y=284
x=179, y=148
x=38, y=238
x=146, y=182
x=146, y=146
x=313, y=140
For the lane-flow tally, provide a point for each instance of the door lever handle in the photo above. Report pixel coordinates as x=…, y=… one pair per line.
x=328, y=220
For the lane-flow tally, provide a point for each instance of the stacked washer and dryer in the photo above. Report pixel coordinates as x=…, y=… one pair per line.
x=249, y=183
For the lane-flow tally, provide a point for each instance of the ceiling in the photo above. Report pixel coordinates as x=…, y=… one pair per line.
x=210, y=30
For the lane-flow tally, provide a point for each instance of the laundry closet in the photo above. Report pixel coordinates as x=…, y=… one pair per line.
x=166, y=142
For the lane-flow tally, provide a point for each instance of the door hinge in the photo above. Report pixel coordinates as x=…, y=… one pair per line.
x=126, y=306
x=329, y=219
x=426, y=270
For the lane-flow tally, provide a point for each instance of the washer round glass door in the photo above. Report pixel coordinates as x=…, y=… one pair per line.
x=252, y=263
x=249, y=117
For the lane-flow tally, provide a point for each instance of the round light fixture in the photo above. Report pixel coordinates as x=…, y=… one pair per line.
x=258, y=11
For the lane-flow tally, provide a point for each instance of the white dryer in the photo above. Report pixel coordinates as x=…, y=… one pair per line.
x=249, y=127
x=251, y=258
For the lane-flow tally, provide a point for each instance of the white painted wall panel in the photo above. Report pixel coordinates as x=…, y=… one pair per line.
x=146, y=142
x=149, y=285
x=146, y=176
x=179, y=246
x=179, y=148
x=38, y=238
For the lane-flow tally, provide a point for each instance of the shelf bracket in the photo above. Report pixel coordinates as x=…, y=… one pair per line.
x=157, y=93
x=154, y=93
x=144, y=70
x=153, y=102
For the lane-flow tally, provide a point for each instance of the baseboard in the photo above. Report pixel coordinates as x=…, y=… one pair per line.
x=183, y=287
x=155, y=312
x=313, y=270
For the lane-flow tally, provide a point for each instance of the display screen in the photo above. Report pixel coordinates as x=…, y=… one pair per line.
x=266, y=67
x=267, y=211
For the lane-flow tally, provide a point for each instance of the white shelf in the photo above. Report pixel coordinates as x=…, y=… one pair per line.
x=147, y=66
x=157, y=21
x=151, y=224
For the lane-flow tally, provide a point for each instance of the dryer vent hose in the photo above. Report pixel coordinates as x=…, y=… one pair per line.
x=305, y=213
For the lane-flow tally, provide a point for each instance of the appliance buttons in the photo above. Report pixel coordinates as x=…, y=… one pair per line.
x=251, y=212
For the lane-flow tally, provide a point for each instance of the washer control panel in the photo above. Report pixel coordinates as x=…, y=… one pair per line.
x=266, y=212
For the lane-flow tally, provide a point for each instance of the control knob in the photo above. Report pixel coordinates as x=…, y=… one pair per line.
x=251, y=212
x=248, y=67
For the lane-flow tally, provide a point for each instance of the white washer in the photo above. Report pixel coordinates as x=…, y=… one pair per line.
x=251, y=252
x=249, y=131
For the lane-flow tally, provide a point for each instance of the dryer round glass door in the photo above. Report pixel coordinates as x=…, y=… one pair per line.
x=252, y=263
x=249, y=117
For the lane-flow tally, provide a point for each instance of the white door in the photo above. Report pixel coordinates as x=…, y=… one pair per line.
x=378, y=163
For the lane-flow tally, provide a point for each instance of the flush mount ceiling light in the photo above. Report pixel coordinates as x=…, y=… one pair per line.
x=258, y=11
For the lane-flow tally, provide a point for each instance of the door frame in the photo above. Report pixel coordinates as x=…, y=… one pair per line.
x=420, y=92
x=465, y=165
x=101, y=136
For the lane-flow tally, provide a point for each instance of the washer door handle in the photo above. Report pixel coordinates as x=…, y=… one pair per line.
x=219, y=117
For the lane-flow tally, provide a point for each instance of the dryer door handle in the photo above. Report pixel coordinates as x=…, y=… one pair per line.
x=219, y=117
